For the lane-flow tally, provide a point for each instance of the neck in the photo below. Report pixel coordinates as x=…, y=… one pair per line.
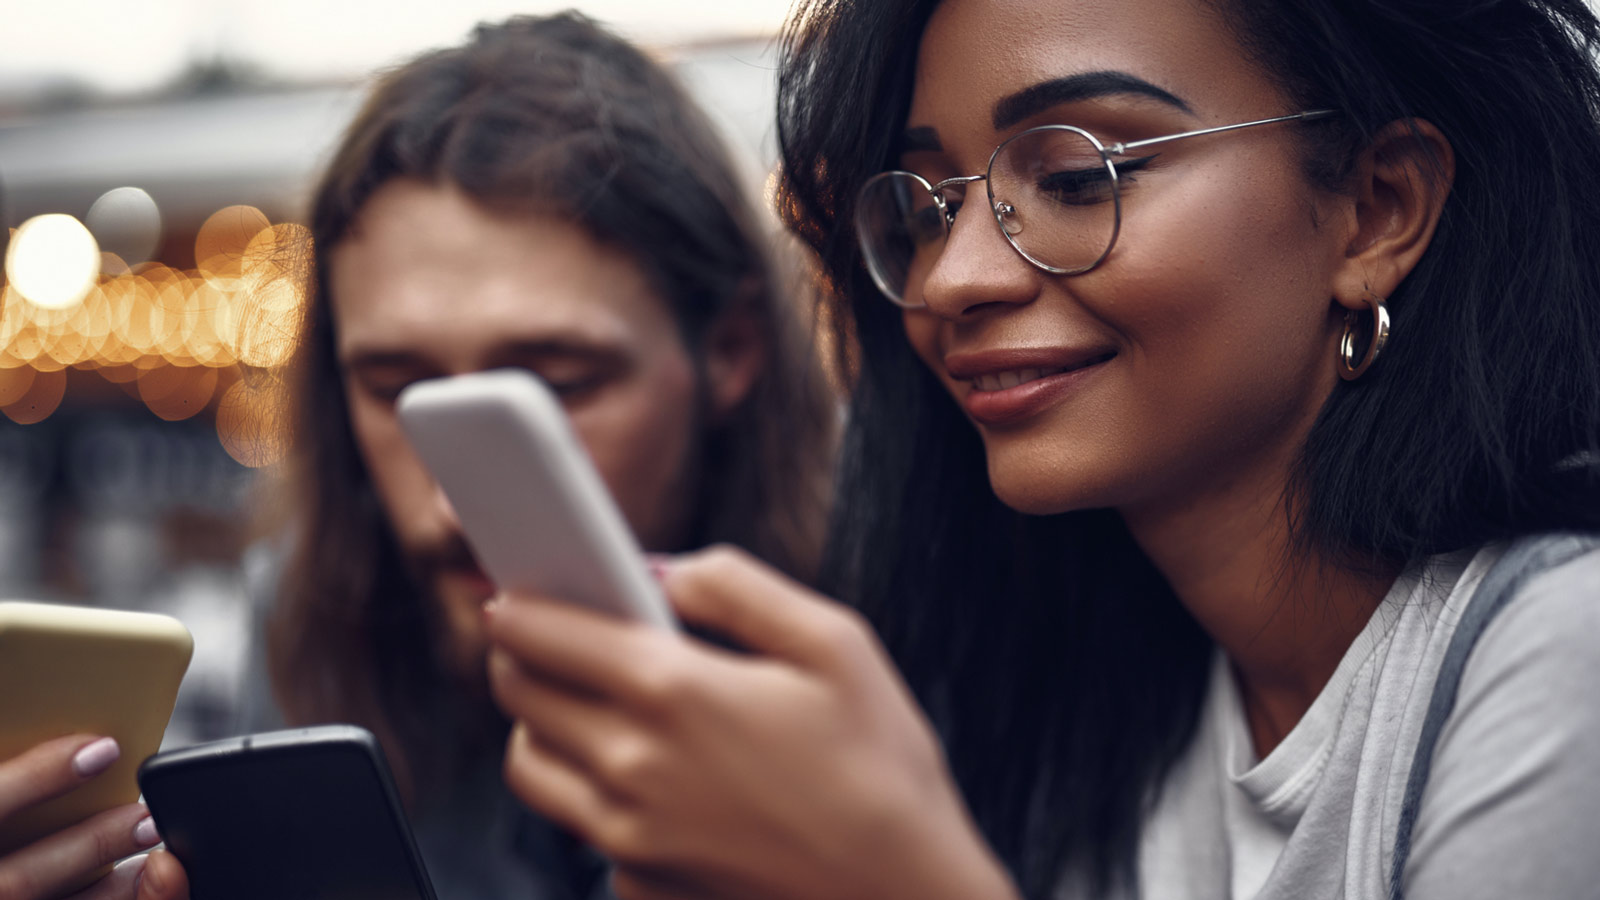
x=1284, y=617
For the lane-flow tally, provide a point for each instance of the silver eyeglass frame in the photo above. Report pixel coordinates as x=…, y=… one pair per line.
x=1120, y=148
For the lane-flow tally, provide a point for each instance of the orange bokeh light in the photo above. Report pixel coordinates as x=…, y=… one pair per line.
x=252, y=420
x=41, y=398
x=219, y=247
x=177, y=393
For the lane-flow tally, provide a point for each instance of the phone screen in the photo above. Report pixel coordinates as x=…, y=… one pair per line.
x=311, y=821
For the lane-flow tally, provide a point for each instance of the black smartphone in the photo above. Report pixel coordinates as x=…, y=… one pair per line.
x=308, y=813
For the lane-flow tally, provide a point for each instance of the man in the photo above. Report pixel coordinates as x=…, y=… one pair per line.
x=543, y=197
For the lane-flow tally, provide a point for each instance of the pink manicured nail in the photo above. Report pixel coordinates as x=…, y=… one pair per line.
x=145, y=834
x=659, y=563
x=132, y=869
x=96, y=757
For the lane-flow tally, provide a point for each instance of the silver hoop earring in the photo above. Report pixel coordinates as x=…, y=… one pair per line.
x=1352, y=366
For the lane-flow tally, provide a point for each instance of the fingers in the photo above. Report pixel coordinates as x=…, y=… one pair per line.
x=53, y=768
x=633, y=883
x=721, y=588
x=548, y=783
x=579, y=647
x=48, y=867
x=584, y=732
x=119, y=885
x=163, y=879
x=729, y=591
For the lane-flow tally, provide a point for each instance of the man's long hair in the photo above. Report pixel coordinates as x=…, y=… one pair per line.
x=538, y=116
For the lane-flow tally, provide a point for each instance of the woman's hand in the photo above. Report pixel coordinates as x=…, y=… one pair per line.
x=803, y=770
x=54, y=865
x=163, y=878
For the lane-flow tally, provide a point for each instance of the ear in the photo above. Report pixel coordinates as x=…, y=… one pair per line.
x=734, y=355
x=1402, y=180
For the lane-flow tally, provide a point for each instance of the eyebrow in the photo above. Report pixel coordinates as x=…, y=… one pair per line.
x=510, y=353
x=1031, y=101
x=923, y=138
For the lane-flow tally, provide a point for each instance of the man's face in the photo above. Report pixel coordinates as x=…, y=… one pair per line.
x=429, y=284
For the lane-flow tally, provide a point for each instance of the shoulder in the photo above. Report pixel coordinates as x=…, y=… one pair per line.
x=1551, y=624
x=1514, y=793
x=1537, y=662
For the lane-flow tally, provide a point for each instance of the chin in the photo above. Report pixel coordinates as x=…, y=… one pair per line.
x=1038, y=485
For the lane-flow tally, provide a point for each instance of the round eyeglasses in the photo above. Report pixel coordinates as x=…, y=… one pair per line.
x=1054, y=191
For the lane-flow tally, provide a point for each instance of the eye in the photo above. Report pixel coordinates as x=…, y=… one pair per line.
x=1075, y=187
x=577, y=380
x=1080, y=184
x=926, y=225
x=573, y=388
x=384, y=389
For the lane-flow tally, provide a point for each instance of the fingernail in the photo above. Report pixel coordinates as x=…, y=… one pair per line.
x=132, y=868
x=659, y=563
x=96, y=757
x=145, y=834
x=155, y=881
x=491, y=606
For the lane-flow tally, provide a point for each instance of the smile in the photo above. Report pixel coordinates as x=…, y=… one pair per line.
x=1008, y=387
x=1000, y=381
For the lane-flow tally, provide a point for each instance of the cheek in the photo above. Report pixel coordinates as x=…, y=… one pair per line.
x=402, y=483
x=922, y=332
x=639, y=432
x=1224, y=272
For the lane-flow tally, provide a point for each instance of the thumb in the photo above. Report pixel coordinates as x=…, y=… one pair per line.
x=163, y=878
x=732, y=593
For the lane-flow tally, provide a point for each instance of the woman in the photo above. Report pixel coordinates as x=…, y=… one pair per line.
x=543, y=196
x=1168, y=476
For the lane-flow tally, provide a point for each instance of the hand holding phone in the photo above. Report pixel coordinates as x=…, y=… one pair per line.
x=531, y=504
x=81, y=670
x=61, y=862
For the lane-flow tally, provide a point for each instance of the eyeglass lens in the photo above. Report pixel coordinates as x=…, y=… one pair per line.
x=1053, y=195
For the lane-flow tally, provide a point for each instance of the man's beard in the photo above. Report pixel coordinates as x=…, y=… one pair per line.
x=455, y=636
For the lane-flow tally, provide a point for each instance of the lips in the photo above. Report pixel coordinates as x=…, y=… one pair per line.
x=999, y=381
x=1008, y=386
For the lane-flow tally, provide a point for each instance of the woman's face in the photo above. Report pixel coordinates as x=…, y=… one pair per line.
x=1200, y=350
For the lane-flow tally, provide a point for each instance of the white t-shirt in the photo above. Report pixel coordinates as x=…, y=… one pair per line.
x=1512, y=805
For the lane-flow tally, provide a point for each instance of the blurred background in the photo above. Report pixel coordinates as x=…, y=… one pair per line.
x=154, y=163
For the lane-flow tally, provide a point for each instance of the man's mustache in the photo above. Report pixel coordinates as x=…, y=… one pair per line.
x=449, y=554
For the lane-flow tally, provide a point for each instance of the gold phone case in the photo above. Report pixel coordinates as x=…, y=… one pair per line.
x=72, y=669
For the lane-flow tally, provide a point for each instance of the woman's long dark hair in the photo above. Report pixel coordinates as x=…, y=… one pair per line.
x=1058, y=665
x=545, y=116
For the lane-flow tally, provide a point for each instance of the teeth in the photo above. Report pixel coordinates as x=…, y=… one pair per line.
x=999, y=381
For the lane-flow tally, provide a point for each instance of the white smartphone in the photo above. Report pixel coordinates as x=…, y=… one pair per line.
x=531, y=504
x=66, y=669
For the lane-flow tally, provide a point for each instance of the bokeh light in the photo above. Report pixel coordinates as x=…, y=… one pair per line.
x=252, y=421
x=40, y=399
x=175, y=393
x=179, y=341
x=14, y=383
x=53, y=261
x=219, y=246
x=127, y=222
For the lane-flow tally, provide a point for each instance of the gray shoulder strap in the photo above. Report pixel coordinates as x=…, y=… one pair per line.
x=1524, y=559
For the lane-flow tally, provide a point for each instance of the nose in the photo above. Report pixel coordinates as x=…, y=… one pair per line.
x=445, y=510
x=977, y=270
